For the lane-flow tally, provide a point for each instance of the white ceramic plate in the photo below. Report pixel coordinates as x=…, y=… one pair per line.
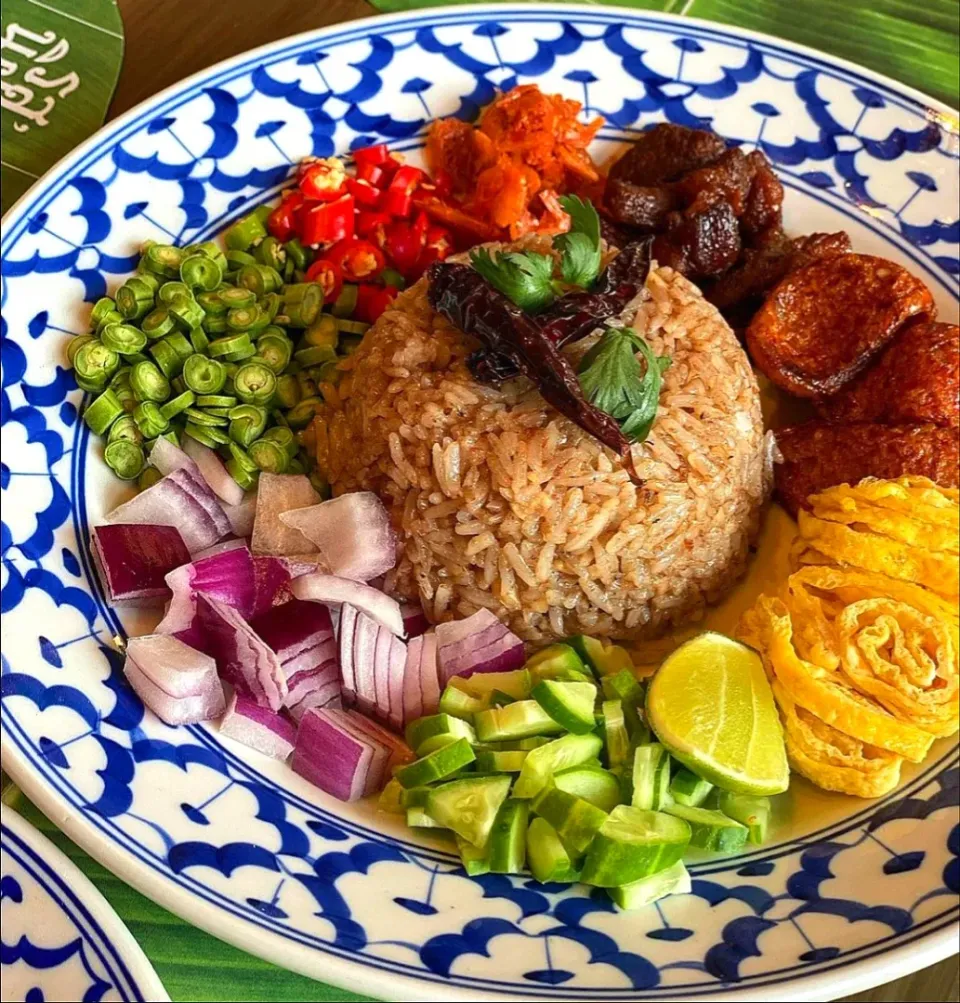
x=848, y=894
x=61, y=939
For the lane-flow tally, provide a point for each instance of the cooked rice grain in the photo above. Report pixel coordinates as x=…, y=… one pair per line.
x=503, y=503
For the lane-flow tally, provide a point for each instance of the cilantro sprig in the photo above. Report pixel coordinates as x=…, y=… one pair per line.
x=614, y=380
x=526, y=277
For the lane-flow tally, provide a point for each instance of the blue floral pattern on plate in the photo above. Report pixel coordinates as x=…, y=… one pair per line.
x=60, y=939
x=242, y=847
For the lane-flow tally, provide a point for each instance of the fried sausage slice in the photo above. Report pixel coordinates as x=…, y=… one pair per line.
x=817, y=455
x=823, y=324
x=916, y=379
x=665, y=152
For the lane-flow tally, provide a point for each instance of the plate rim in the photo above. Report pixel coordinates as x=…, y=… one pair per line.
x=858, y=975
x=143, y=976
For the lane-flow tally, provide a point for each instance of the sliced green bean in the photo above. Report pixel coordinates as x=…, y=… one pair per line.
x=212, y=304
x=113, y=317
x=126, y=459
x=203, y=375
x=237, y=260
x=180, y=343
x=296, y=467
x=177, y=385
x=297, y=253
x=238, y=453
x=254, y=383
x=212, y=250
x=95, y=363
x=148, y=382
x=125, y=427
x=307, y=384
x=215, y=325
x=101, y=413
x=302, y=303
x=242, y=318
x=391, y=277
x=150, y=420
x=166, y=357
x=269, y=306
x=216, y=400
x=200, y=272
x=171, y=291
x=101, y=308
x=75, y=344
x=288, y=390
x=175, y=405
x=314, y=355
x=235, y=296
x=124, y=339
x=135, y=298
x=271, y=252
x=157, y=323
x=320, y=484
x=220, y=412
x=163, y=259
x=304, y=412
x=259, y=279
x=269, y=455
x=247, y=423
x=199, y=417
x=186, y=312
x=244, y=233
x=148, y=477
x=347, y=300
x=242, y=354
x=246, y=479
x=228, y=345
x=275, y=350
x=284, y=437
x=199, y=339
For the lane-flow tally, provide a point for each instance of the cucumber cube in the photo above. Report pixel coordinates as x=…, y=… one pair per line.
x=673, y=880
x=634, y=843
x=711, y=830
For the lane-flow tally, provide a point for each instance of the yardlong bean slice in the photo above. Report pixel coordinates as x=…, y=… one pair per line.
x=163, y=259
x=101, y=308
x=125, y=427
x=102, y=412
x=157, y=323
x=203, y=375
x=200, y=272
x=181, y=402
x=149, y=383
x=124, y=339
x=126, y=459
x=247, y=423
x=135, y=298
x=150, y=419
x=95, y=363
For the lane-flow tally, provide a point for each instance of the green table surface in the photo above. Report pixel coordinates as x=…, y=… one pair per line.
x=913, y=40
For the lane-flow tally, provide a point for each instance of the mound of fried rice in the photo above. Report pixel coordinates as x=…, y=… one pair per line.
x=501, y=502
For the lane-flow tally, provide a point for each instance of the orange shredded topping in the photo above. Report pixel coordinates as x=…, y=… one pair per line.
x=527, y=147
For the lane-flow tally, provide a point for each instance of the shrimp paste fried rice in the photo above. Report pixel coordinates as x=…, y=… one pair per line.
x=502, y=502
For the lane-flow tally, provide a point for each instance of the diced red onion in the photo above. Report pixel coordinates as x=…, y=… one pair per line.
x=325, y=695
x=429, y=676
x=179, y=500
x=318, y=587
x=261, y=729
x=381, y=674
x=227, y=575
x=167, y=457
x=331, y=757
x=134, y=560
x=243, y=659
x=241, y=516
x=366, y=635
x=355, y=724
x=415, y=621
x=305, y=681
x=212, y=471
x=480, y=643
x=293, y=627
x=178, y=683
x=352, y=532
x=278, y=493
x=400, y=752
x=346, y=638
x=321, y=653
x=219, y=548
x=412, y=696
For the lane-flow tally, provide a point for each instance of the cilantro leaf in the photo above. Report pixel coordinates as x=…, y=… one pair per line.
x=614, y=380
x=580, y=247
x=525, y=278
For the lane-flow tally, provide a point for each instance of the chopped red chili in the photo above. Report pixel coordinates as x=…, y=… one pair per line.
x=364, y=192
x=282, y=222
x=328, y=276
x=373, y=300
x=327, y=222
x=325, y=180
x=358, y=260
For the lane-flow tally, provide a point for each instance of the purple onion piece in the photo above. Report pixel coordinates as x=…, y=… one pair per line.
x=412, y=697
x=319, y=587
x=261, y=729
x=133, y=561
x=347, y=631
x=429, y=674
x=326, y=695
x=365, y=638
x=415, y=621
x=330, y=757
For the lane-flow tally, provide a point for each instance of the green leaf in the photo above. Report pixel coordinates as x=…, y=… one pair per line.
x=615, y=380
x=580, y=247
x=525, y=278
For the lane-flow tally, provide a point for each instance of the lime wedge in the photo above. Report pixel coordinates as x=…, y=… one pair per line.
x=711, y=705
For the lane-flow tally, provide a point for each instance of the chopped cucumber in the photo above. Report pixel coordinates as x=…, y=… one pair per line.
x=588, y=648
x=615, y=732
x=417, y=818
x=576, y=821
x=527, y=744
x=500, y=699
x=750, y=811
x=592, y=783
x=469, y=806
x=688, y=789
x=415, y=797
x=507, y=848
x=634, y=843
x=569, y=704
x=473, y=858
x=613, y=659
x=546, y=854
x=437, y=726
x=482, y=684
x=516, y=720
x=437, y=765
x=651, y=777
x=623, y=686
x=673, y=880
x=541, y=763
x=456, y=703
x=391, y=798
x=500, y=760
x=559, y=661
x=711, y=830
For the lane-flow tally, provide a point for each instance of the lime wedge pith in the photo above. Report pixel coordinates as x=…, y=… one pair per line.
x=711, y=705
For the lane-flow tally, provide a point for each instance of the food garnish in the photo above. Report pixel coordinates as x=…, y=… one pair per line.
x=465, y=298
x=863, y=641
x=579, y=247
x=614, y=380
